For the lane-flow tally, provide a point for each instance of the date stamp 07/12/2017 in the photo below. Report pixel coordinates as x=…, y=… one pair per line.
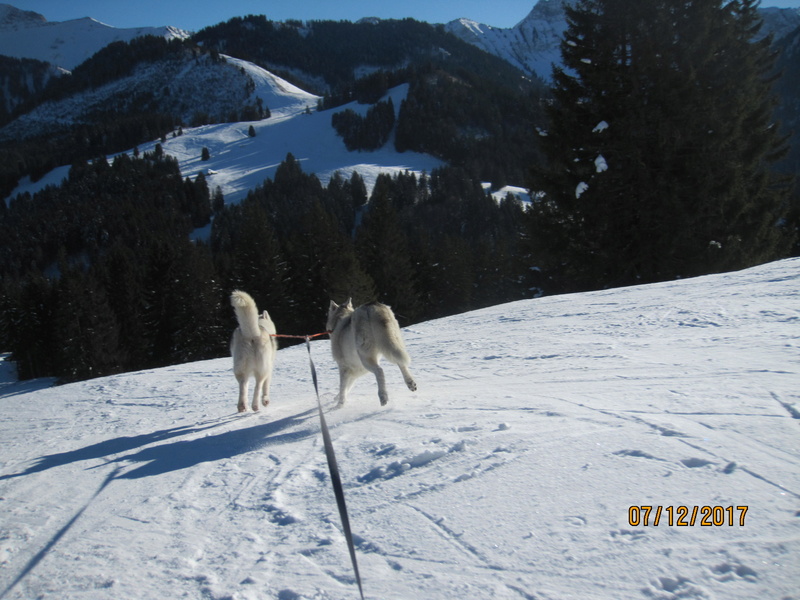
x=687, y=516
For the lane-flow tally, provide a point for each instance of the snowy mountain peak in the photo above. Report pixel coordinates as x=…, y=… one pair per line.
x=780, y=21
x=532, y=45
x=65, y=44
x=472, y=26
x=547, y=10
x=12, y=17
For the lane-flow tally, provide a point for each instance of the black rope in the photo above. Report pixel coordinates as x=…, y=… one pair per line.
x=336, y=481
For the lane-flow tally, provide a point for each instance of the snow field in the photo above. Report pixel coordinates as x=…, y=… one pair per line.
x=509, y=474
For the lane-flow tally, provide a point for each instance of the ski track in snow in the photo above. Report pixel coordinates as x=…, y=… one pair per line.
x=509, y=474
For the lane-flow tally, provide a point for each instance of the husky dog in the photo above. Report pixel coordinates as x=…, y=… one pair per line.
x=358, y=339
x=253, y=349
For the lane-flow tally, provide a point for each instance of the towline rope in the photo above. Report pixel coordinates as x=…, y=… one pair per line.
x=333, y=467
x=299, y=337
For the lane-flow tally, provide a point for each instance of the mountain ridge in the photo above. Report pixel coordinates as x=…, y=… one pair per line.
x=533, y=44
x=66, y=44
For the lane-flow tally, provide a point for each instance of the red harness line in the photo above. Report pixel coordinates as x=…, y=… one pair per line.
x=300, y=337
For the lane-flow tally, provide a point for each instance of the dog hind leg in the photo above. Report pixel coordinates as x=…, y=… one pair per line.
x=258, y=393
x=371, y=364
x=242, y=379
x=408, y=378
x=347, y=377
x=265, y=390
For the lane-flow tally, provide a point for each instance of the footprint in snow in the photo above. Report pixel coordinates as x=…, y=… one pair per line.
x=730, y=572
x=636, y=454
x=694, y=463
x=627, y=536
x=676, y=587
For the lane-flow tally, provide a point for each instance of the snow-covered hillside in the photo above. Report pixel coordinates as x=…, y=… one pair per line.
x=183, y=87
x=66, y=44
x=510, y=474
x=238, y=163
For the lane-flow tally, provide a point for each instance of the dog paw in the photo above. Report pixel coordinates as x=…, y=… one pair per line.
x=241, y=408
x=384, y=399
x=412, y=385
x=265, y=401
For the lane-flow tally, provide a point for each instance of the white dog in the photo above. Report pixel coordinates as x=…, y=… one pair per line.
x=253, y=349
x=358, y=339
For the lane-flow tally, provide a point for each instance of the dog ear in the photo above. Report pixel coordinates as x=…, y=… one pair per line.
x=349, y=303
x=333, y=306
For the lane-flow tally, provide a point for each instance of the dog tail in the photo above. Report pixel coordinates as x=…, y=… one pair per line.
x=246, y=314
x=392, y=345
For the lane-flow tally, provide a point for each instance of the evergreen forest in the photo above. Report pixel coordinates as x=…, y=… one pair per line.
x=654, y=155
x=662, y=147
x=100, y=275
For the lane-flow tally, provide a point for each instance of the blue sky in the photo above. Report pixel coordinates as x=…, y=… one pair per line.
x=196, y=14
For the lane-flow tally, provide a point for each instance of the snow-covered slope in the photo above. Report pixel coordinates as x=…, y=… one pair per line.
x=66, y=44
x=182, y=87
x=238, y=163
x=532, y=45
x=510, y=474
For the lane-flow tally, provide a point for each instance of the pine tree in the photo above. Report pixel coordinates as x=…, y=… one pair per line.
x=383, y=250
x=86, y=341
x=661, y=144
x=323, y=251
x=30, y=327
x=195, y=295
x=218, y=202
x=122, y=275
x=358, y=190
x=258, y=265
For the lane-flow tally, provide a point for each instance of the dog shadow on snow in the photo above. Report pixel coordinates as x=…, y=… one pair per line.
x=163, y=458
x=183, y=454
x=178, y=454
